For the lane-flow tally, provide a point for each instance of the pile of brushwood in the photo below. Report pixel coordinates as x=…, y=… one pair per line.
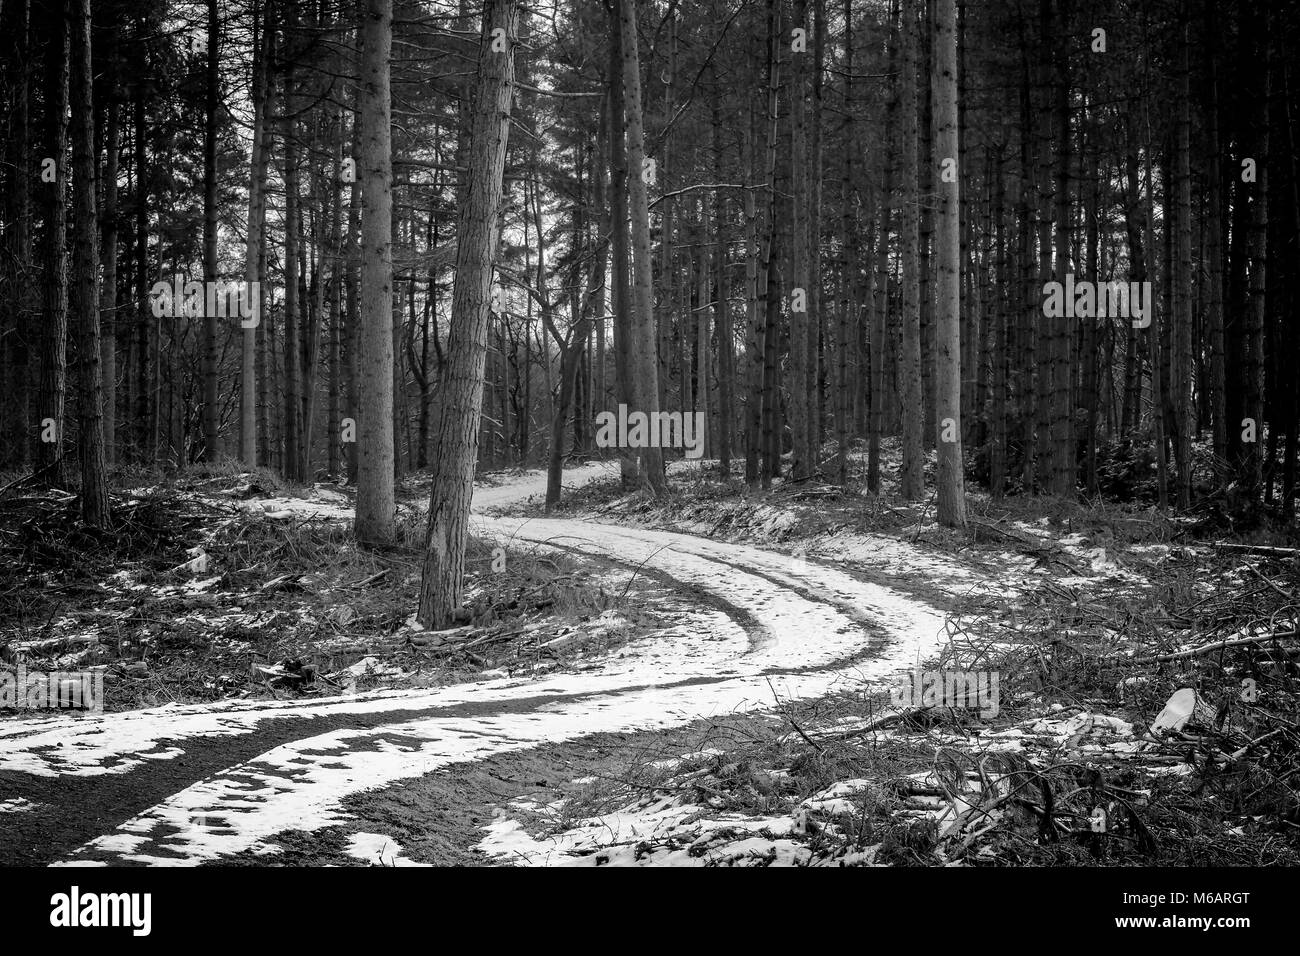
x=190, y=595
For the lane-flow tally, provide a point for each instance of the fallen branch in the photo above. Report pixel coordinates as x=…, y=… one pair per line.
x=1266, y=550
x=1211, y=648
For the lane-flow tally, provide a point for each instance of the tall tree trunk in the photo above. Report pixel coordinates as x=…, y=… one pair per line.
x=1159, y=317
x=947, y=326
x=18, y=239
x=52, y=392
x=817, y=317
x=375, y=492
x=620, y=240
x=1183, y=318
x=1030, y=214
x=108, y=292
x=589, y=308
x=85, y=285
x=701, y=405
x=293, y=297
x=722, y=314
x=801, y=280
x=1060, y=430
x=846, y=328
x=212, y=103
x=753, y=350
x=880, y=320
x=1091, y=386
x=146, y=410
x=1250, y=472
x=645, y=378
x=1133, y=226
x=910, y=360
x=256, y=237
x=1214, y=242
x=1001, y=336
x=456, y=449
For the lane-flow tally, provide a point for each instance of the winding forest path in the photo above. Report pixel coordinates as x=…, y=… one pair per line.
x=190, y=784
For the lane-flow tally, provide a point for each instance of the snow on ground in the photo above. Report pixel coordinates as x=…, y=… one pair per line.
x=901, y=559
x=781, y=629
x=378, y=850
x=524, y=485
x=17, y=805
x=656, y=831
x=675, y=825
x=299, y=785
x=784, y=597
x=669, y=829
x=323, y=502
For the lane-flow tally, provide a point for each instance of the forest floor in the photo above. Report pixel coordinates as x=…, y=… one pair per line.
x=701, y=679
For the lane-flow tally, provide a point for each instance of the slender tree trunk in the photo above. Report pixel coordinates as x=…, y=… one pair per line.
x=1091, y=377
x=375, y=491
x=85, y=285
x=753, y=352
x=817, y=317
x=1155, y=342
x=52, y=392
x=1214, y=242
x=146, y=410
x=1251, y=471
x=108, y=292
x=620, y=240
x=1031, y=217
x=846, y=329
x=910, y=361
x=256, y=237
x=1001, y=337
x=456, y=449
x=800, y=320
x=1183, y=318
x=880, y=322
x=18, y=240
x=212, y=103
x=645, y=379
x=701, y=405
x=722, y=314
x=947, y=330
x=591, y=305
x=1060, y=431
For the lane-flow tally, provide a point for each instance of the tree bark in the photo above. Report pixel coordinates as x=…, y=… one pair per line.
x=1214, y=242
x=375, y=492
x=912, y=485
x=52, y=391
x=85, y=285
x=256, y=237
x=456, y=448
x=801, y=320
x=947, y=330
x=108, y=249
x=1183, y=318
x=1250, y=471
x=620, y=240
x=212, y=103
x=645, y=378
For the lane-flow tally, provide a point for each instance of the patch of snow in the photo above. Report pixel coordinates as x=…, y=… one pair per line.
x=377, y=850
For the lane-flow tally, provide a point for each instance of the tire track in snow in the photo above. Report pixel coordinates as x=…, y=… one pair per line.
x=820, y=628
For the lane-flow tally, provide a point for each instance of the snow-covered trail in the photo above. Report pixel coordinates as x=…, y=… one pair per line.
x=773, y=626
